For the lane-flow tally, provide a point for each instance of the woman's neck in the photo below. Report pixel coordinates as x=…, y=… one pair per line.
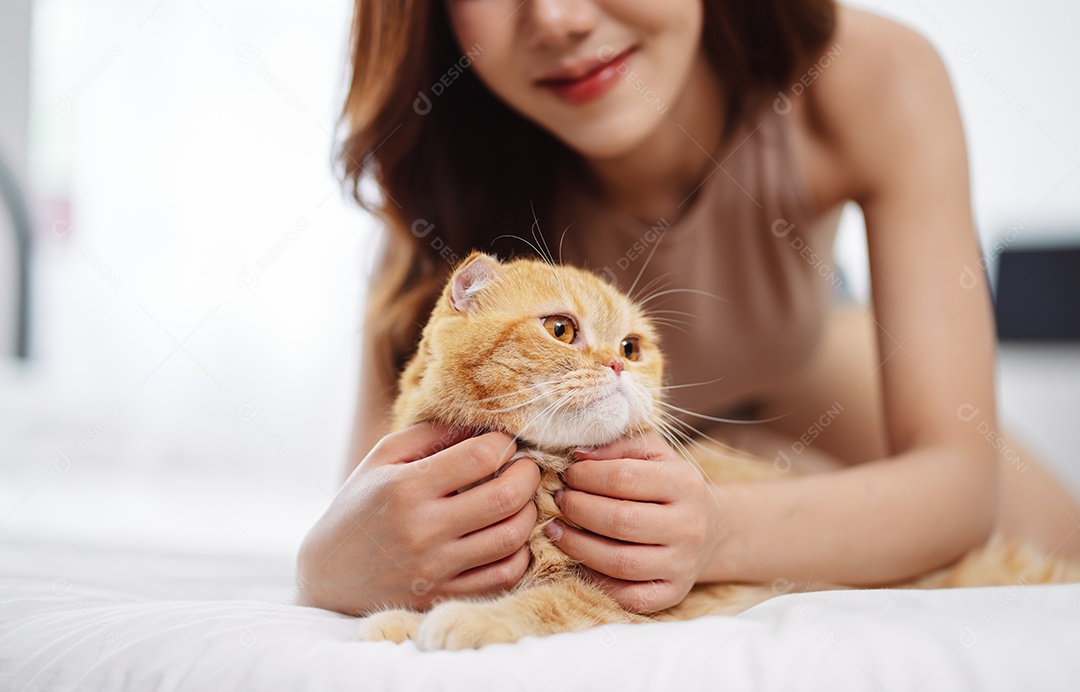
x=659, y=178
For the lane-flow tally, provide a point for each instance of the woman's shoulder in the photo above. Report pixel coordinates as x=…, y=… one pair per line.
x=870, y=58
x=876, y=86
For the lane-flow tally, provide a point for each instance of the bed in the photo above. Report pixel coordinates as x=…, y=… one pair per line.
x=119, y=574
x=61, y=633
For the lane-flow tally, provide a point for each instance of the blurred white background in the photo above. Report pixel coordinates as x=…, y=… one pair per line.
x=199, y=276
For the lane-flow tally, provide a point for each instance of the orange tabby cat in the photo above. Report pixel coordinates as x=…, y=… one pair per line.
x=560, y=359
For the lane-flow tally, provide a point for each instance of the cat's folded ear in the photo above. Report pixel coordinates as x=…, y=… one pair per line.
x=477, y=271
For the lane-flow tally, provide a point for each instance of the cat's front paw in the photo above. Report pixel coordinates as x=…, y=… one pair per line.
x=466, y=625
x=389, y=625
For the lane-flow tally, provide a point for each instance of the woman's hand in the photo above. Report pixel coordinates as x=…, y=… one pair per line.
x=398, y=534
x=651, y=520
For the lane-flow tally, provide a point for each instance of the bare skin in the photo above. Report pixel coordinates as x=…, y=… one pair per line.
x=1034, y=505
x=879, y=127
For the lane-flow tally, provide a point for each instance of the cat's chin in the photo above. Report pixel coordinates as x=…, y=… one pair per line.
x=581, y=429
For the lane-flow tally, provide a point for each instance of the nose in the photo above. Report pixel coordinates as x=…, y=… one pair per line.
x=553, y=22
x=616, y=365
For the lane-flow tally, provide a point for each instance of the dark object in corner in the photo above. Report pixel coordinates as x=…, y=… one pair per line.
x=1038, y=294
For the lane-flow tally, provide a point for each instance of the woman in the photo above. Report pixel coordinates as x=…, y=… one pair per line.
x=703, y=146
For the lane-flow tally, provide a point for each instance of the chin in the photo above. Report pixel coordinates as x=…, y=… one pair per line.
x=593, y=425
x=619, y=134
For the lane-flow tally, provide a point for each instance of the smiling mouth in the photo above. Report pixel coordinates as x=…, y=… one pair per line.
x=590, y=84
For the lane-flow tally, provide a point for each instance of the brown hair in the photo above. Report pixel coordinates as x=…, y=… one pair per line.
x=457, y=168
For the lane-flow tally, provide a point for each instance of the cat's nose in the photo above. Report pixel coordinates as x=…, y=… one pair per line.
x=616, y=365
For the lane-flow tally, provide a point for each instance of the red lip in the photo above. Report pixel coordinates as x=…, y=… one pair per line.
x=585, y=81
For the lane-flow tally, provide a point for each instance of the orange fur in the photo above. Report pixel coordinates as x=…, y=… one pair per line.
x=486, y=362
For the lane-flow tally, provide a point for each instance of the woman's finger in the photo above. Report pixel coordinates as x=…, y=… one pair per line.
x=496, y=542
x=624, y=520
x=492, y=501
x=490, y=579
x=467, y=462
x=626, y=479
x=648, y=445
x=636, y=596
x=415, y=443
x=628, y=561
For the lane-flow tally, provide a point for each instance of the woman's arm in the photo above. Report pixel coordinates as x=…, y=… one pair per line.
x=889, y=114
x=373, y=402
x=894, y=121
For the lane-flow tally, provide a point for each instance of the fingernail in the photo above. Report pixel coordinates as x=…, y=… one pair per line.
x=559, y=494
x=554, y=530
x=582, y=451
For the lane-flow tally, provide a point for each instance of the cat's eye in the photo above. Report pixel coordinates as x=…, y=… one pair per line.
x=561, y=327
x=631, y=348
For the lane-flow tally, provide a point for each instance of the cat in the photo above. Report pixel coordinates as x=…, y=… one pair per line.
x=559, y=358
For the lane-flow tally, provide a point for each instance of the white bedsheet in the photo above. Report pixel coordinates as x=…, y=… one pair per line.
x=59, y=635
x=124, y=572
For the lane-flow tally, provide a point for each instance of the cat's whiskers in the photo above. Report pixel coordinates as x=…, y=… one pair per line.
x=722, y=420
x=737, y=456
x=641, y=272
x=678, y=325
x=682, y=290
x=561, y=239
x=650, y=286
x=654, y=315
x=551, y=409
x=559, y=403
x=692, y=434
x=541, y=246
x=529, y=243
x=524, y=389
x=681, y=430
x=538, y=237
x=651, y=313
x=654, y=286
x=682, y=386
x=515, y=407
